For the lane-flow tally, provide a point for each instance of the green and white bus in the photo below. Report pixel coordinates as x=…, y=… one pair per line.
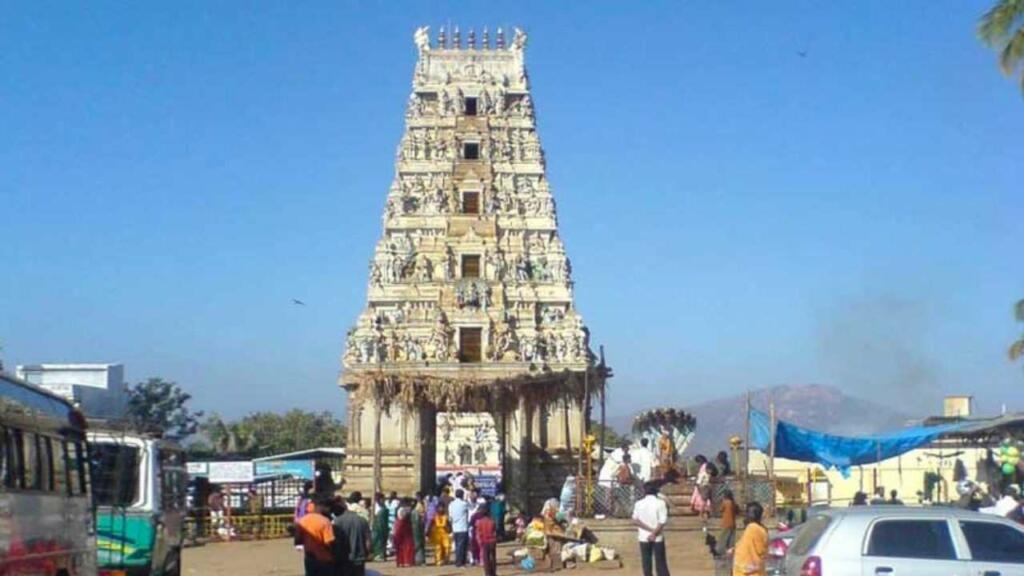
x=139, y=485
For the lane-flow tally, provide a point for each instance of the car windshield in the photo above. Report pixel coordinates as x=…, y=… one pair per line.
x=115, y=473
x=809, y=534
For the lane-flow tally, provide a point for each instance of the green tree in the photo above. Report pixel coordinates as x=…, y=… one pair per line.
x=160, y=405
x=1002, y=28
x=229, y=438
x=612, y=439
x=1017, y=348
x=267, y=433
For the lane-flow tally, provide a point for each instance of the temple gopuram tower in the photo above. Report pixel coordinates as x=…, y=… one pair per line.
x=470, y=352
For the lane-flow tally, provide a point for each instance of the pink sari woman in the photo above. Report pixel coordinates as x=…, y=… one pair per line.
x=700, y=501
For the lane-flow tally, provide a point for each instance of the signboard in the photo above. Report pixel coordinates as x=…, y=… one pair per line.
x=487, y=484
x=226, y=472
x=296, y=468
x=197, y=468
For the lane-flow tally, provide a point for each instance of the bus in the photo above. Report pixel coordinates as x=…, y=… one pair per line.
x=46, y=520
x=139, y=487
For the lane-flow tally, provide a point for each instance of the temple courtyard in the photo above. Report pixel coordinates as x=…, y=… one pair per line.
x=685, y=545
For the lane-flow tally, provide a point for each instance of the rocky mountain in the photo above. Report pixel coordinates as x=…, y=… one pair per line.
x=813, y=406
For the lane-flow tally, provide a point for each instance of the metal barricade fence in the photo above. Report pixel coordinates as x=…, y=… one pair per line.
x=238, y=526
x=616, y=500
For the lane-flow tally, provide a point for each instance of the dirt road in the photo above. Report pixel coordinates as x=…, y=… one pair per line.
x=279, y=558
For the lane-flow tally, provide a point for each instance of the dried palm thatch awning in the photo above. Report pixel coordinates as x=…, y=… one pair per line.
x=474, y=391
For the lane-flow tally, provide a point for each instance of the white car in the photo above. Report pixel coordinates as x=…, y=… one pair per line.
x=899, y=541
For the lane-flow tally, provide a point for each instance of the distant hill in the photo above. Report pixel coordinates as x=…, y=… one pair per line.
x=813, y=406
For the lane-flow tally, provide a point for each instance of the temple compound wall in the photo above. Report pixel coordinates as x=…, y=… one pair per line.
x=470, y=294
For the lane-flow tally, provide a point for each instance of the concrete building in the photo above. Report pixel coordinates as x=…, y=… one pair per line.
x=98, y=389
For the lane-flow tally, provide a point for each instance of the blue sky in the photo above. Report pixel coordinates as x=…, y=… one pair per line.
x=738, y=216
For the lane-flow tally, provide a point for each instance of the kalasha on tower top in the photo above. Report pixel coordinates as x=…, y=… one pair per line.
x=470, y=296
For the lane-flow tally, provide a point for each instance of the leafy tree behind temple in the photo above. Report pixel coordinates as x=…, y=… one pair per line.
x=266, y=433
x=160, y=405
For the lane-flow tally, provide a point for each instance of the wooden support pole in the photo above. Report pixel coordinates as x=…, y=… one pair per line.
x=581, y=481
x=603, y=422
x=378, y=476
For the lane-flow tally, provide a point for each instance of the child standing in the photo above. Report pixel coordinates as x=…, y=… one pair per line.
x=440, y=537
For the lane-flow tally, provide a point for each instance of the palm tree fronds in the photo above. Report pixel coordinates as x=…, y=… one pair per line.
x=1018, y=311
x=1013, y=53
x=1017, y=350
x=996, y=24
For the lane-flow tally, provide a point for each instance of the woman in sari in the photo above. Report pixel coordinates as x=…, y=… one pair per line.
x=417, y=517
x=405, y=547
x=700, y=501
x=380, y=528
x=440, y=537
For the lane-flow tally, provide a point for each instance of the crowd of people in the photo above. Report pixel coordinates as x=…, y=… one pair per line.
x=339, y=536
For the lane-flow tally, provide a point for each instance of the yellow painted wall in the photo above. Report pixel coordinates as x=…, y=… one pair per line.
x=904, y=474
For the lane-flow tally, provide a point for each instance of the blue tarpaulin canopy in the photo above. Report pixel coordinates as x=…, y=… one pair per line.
x=796, y=443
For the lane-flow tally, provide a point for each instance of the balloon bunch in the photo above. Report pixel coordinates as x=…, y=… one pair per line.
x=1008, y=456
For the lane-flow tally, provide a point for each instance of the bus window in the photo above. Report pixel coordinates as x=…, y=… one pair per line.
x=173, y=481
x=34, y=473
x=18, y=447
x=6, y=476
x=76, y=468
x=46, y=453
x=115, y=469
x=60, y=467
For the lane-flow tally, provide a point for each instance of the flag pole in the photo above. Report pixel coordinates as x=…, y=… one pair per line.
x=771, y=453
x=746, y=452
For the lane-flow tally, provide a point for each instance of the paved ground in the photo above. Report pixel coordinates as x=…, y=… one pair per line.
x=278, y=558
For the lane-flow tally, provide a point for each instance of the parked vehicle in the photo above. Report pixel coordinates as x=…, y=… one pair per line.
x=779, y=542
x=139, y=487
x=898, y=541
x=46, y=522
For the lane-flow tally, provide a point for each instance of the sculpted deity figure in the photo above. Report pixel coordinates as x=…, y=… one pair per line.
x=536, y=244
x=376, y=277
x=486, y=103
x=499, y=102
x=415, y=106
x=422, y=39
x=440, y=340
x=506, y=345
x=446, y=104
x=528, y=348
x=351, y=348
x=496, y=262
x=424, y=269
x=522, y=269
x=539, y=267
x=519, y=40
x=526, y=110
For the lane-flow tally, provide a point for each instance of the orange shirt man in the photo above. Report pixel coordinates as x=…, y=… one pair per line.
x=317, y=540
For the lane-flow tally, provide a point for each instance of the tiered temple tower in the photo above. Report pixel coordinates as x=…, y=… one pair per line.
x=470, y=297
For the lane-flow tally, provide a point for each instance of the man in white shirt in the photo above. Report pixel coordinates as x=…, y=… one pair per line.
x=650, y=514
x=643, y=458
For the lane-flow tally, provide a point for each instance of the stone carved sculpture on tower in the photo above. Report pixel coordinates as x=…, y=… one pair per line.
x=470, y=278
